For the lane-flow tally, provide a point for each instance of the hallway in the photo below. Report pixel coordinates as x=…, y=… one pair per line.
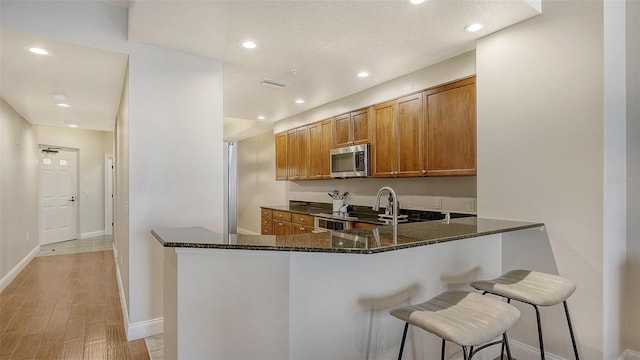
x=66, y=307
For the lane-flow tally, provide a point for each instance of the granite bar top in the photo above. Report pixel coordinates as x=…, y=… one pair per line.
x=357, y=241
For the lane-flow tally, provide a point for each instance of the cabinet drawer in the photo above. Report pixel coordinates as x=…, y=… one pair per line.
x=267, y=223
x=301, y=219
x=266, y=213
x=281, y=215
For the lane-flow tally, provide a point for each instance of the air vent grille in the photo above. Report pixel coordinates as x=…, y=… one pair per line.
x=273, y=84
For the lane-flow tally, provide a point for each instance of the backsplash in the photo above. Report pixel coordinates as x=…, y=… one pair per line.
x=445, y=194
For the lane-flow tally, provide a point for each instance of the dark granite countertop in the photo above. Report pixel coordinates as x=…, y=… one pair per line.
x=358, y=241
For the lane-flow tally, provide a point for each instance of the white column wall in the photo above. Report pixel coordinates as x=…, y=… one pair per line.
x=175, y=161
x=615, y=220
x=632, y=276
x=540, y=152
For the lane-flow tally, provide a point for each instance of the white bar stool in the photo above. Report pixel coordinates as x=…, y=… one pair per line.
x=465, y=318
x=533, y=288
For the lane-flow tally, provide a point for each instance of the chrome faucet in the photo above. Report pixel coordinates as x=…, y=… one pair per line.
x=394, y=209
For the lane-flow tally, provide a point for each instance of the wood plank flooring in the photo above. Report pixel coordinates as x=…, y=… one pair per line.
x=66, y=307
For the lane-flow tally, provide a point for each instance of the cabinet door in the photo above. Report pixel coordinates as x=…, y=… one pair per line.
x=292, y=154
x=327, y=144
x=384, y=149
x=303, y=153
x=342, y=130
x=281, y=227
x=281, y=156
x=410, y=122
x=360, y=126
x=316, y=155
x=451, y=129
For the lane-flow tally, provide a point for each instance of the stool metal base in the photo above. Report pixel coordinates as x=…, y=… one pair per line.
x=538, y=320
x=467, y=351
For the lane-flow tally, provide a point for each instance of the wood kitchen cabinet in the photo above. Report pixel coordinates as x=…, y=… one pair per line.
x=266, y=221
x=450, y=134
x=281, y=156
x=297, y=154
x=320, y=142
x=351, y=129
x=397, y=137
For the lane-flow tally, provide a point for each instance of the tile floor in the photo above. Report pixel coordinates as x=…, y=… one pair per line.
x=155, y=345
x=66, y=307
x=99, y=243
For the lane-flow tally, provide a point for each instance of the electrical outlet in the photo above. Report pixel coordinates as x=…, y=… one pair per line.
x=410, y=202
x=471, y=205
x=381, y=342
x=438, y=203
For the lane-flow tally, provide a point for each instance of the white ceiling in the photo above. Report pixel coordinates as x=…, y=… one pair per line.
x=327, y=42
x=90, y=79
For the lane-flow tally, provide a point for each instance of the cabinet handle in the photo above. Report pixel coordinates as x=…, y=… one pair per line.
x=280, y=224
x=301, y=228
x=424, y=171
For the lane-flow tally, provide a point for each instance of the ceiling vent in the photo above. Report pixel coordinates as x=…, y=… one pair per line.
x=272, y=84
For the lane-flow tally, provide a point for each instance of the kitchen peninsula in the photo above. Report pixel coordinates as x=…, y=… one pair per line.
x=319, y=295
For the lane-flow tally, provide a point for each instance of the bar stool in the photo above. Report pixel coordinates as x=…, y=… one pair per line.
x=533, y=288
x=465, y=318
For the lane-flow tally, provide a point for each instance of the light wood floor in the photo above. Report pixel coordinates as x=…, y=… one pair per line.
x=66, y=307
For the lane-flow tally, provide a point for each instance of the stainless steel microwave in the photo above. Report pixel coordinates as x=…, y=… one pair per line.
x=351, y=161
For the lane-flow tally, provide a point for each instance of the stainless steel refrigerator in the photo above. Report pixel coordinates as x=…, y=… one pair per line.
x=230, y=191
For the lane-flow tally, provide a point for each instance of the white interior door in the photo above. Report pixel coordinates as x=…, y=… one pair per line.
x=58, y=196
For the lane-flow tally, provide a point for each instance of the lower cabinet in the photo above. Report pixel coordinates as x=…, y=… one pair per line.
x=277, y=222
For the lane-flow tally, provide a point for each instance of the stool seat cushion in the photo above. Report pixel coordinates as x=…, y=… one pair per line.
x=528, y=286
x=462, y=317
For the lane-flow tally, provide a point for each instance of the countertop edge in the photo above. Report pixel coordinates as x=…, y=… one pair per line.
x=340, y=250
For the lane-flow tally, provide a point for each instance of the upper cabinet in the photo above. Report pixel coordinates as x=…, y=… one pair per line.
x=431, y=133
x=397, y=137
x=281, y=156
x=351, y=129
x=320, y=142
x=451, y=129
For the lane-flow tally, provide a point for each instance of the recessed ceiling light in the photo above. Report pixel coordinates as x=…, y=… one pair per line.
x=59, y=97
x=63, y=105
x=299, y=101
x=415, y=2
x=473, y=27
x=37, y=50
x=261, y=117
x=363, y=74
x=73, y=125
x=249, y=44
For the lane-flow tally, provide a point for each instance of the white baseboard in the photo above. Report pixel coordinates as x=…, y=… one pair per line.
x=246, y=232
x=522, y=351
x=7, y=279
x=123, y=300
x=145, y=329
x=92, y=234
x=630, y=355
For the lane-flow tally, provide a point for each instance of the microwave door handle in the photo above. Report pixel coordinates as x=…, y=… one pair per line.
x=355, y=161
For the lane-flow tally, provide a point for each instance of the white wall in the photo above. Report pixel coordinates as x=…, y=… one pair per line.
x=175, y=166
x=540, y=154
x=121, y=193
x=92, y=146
x=632, y=278
x=257, y=185
x=19, y=169
x=615, y=227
